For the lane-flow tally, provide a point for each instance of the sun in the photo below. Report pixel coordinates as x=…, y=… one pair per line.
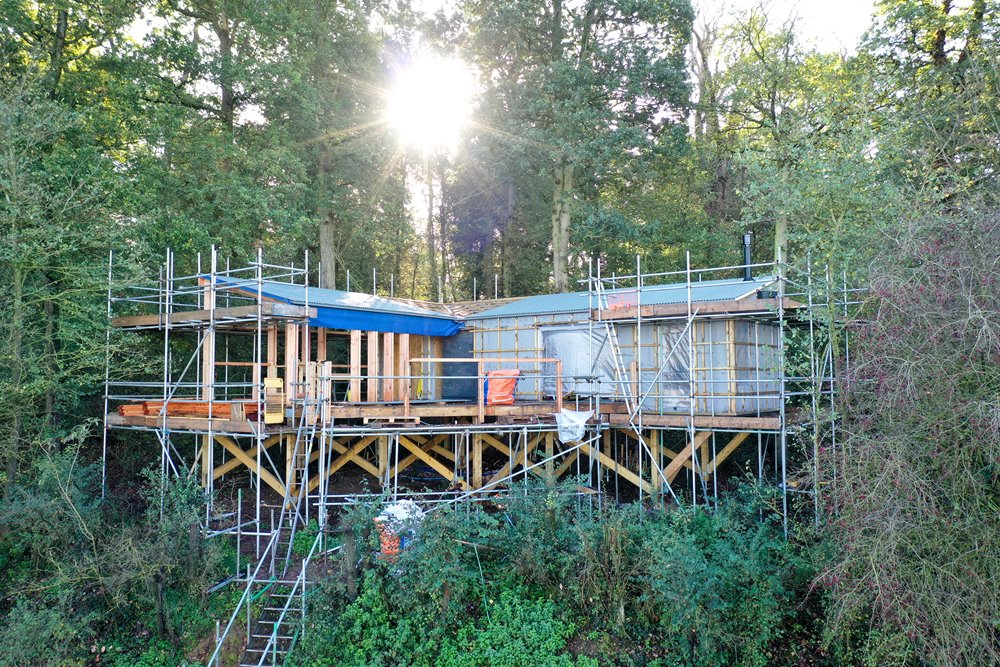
x=430, y=102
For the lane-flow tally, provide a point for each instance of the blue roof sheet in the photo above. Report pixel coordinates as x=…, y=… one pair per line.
x=652, y=295
x=332, y=298
x=336, y=309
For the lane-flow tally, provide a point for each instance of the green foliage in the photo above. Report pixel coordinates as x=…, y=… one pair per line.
x=518, y=587
x=913, y=510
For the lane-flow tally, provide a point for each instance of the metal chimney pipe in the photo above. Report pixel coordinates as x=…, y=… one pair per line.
x=747, y=270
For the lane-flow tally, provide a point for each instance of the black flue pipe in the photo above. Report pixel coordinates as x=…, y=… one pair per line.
x=747, y=270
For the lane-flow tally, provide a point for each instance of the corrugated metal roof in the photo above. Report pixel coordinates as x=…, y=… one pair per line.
x=331, y=298
x=654, y=295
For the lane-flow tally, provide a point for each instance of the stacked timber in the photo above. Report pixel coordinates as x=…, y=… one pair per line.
x=189, y=409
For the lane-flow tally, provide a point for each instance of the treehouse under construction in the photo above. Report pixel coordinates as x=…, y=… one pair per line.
x=649, y=387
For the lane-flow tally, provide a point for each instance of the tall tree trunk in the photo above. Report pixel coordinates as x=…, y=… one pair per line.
x=431, y=236
x=56, y=54
x=781, y=227
x=443, y=235
x=562, y=187
x=223, y=31
x=328, y=251
x=49, y=308
x=511, y=221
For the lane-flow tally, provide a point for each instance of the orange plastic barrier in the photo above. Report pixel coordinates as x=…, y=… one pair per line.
x=500, y=386
x=389, y=541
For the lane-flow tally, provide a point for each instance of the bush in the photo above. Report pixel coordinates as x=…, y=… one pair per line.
x=913, y=509
x=511, y=587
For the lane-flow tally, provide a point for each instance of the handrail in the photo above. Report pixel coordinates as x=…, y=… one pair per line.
x=213, y=660
x=300, y=583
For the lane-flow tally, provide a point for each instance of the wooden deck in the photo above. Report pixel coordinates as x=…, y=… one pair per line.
x=614, y=414
x=440, y=410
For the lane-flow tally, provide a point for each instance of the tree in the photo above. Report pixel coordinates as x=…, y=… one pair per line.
x=579, y=87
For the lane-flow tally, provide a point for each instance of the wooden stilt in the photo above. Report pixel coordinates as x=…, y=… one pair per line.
x=477, y=461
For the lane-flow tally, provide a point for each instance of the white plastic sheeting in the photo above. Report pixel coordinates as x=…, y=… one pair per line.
x=572, y=425
x=588, y=361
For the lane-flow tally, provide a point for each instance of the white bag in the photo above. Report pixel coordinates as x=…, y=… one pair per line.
x=572, y=425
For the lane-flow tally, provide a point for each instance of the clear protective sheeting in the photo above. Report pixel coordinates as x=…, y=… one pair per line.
x=672, y=384
x=587, y=358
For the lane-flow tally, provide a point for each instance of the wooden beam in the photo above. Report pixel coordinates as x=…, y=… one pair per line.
x=234, y=463
x=561, y=470
x=730, y=447
x=291, y=362
x=354, y=384
x=616, y=467
x=233, y=448
x=403, y=367
x=268, y=310
x=617, y=417
x=477, y=461
x=670, y=472
x=272, y=351
x=344, y=459
x=436, y=465
x=744, y=306
x=388, y=367
x=372, y=369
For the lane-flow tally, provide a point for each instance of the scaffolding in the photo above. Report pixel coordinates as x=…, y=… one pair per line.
x=673, y=379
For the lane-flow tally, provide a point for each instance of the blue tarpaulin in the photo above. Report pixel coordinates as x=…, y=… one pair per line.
x=336, y=309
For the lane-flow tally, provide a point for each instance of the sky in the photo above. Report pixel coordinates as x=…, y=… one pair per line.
x=831, y=25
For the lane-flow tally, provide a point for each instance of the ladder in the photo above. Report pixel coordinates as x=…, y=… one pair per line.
x=621, y=375
x=276, y=628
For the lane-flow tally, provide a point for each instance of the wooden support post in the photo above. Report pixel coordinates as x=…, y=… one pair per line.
x=372, y=369
x=403, y=367
x=388, y=367
x=477, y=461
x=272, y=351
x=320, y=344
x=291, y=361
x=290, y=463
x=206, y=461
x=550, y=447
x=657, y=467
x=383, y=455
x=354, y=384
